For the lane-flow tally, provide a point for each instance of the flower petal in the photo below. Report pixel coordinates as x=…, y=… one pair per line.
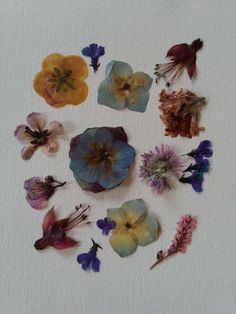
x=135, y=210
x=21, y=135
x=138, y=101
x=65, y=243
x=146, y=231
x=103, y=135
x=96, y=264
x=54, y=60
x=123, y=242
x=118, y=68
x=51, y=146
x=141, y=80
x=33, y=183
x=38, y=203
x=49, y=219
x=78, y=66
x=191, y=68
x=86, y=173
x=94, y=187
x=55, y=128
x=114, y=178
x=125, y=154
x=107, y=97
x=118, y=215
x=28, y=151
x=36, y=120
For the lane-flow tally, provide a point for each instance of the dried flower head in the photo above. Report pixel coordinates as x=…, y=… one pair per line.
x=106, y=225
x=204, y=149
x=40, y=189
x=94, y=52
x=181, y=56
x=180, y=112
x=90, y=260
x=34, y=135
x=182, y=238
x=54, y=231
x=158, y=166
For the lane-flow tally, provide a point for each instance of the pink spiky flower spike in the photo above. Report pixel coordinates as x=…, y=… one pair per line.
x=184, y=229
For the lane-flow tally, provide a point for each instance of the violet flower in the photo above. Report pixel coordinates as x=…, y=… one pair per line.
x=182, y=238
x=158, y=166
x=204, y=149
x=200, y=167
x=54, y=231
x=40, y=189
x=90, y=260
x=106, y=225
x=181, y=56
x=94, y=52
x=196, y=180
x=34, y=135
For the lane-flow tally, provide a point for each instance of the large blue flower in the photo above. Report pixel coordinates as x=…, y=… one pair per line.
x=100, y=158
x=123, y=88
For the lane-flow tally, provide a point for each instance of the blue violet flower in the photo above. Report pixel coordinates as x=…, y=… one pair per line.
x=94, y=52
x=101, y=158
x=90, y=260
x=201, y=167
x=106, y=225
x=124, y=88
x=204, y=150
x=195, y=180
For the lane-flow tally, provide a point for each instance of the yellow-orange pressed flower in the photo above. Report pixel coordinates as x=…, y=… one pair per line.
x=61, y=80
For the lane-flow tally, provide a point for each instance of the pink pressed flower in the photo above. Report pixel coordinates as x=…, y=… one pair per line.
x=54, y=231
x=181, y=56
x=34, y=135
x=184, y=229
x=40, y=189
x=158, y=166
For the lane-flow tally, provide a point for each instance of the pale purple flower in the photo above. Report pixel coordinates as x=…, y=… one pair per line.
x=158, y=166
x=40, y=189
x=35, y=135
x=184, y=229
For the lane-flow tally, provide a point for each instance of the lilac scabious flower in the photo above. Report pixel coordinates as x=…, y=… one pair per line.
x=40, y=189
x=94, y=52
x=182, y=238
x=90, y=260
x=106, y=225
x=204, y=149
x=158, y=166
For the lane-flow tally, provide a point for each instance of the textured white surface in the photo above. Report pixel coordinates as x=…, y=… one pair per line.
x=138, y=32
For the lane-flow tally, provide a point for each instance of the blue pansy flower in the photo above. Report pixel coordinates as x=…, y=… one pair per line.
x=204, y=150
x=106, y=225
x=200, y=167
x=195, y=180
x=124, y=88
x=90, y=260
x=94, y=52
x=101, y=158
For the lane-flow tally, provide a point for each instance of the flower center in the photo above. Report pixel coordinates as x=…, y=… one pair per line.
x=126, y=86
x=57, y=232
x=128, y=225
x=61, y=79
x=159, y=168
x=39, y=137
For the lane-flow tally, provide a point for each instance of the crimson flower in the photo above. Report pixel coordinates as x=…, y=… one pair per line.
x=181, y=56
x=54, y=231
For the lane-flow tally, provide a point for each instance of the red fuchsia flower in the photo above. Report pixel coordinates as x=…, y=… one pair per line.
x=54, y=231
x=40, y=189
x=181, y=112
x=158, y=166
x=182, y=238
x=181, y=56
x=34, y=135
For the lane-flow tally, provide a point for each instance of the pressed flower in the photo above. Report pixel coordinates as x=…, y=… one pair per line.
x=90, y=260
x=181, y=56
x=61, y=80
x=106, y=225
x=195, y=179
x=35, y=135
x=101, y=158
x=201, y=166
x=203, y=150
x=180, y=112
x=158, y=166
x=94, y=52
x=182, y=238
x=124, y=88
x=54, y=231
x=134, y=226
x=40, y=189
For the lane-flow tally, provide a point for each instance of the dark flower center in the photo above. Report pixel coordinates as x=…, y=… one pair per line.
x=57, y=232
x=61, y=79
x=126, y=86
x=39, y=137
x=128, y=225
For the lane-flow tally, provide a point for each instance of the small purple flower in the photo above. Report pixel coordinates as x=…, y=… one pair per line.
x=40, y=189
x=204, y=150
x=200, y=167
x=94, y=52
x=158, y=166
x=195, y=180
x=90, y=259
x=106, y=225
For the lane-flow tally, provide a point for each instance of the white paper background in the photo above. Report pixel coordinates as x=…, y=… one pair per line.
x=137, y=32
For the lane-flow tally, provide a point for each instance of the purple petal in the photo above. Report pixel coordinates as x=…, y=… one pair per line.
x=32, y=183
x=100, y=223
x=21, y=135
x=28, y=151
x=37, y=203
x=96, y=264
x=55, y=128
x=36, y=120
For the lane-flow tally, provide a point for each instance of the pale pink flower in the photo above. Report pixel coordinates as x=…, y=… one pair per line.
x=35, y=135
x=184, y=229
